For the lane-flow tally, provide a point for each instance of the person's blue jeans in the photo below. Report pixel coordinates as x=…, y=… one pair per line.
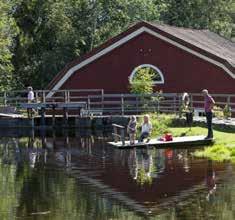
x=209, y=117
x=143, y=136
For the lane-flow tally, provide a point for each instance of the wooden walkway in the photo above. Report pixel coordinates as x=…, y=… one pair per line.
x=187, y=141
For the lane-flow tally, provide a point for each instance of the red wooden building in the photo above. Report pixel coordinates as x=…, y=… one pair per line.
x=185, y=59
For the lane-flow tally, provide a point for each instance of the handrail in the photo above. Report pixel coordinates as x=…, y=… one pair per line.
x=116, y=103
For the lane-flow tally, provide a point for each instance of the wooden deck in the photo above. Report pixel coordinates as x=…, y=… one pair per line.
x=56, y=105
x=187, y=141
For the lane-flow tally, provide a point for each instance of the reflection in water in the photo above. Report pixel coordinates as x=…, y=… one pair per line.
x=81, y=177
x=210, y=180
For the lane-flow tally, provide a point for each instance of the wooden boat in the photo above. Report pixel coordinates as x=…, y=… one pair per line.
x=186, y=141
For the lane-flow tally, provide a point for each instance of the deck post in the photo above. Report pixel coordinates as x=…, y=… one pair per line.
x=36, y=96
x=123, y=136
x=122, y=104
x=53, y=116
x=174, y=107
x=228, y=100
x=137, y=104
x=43, y=96
x=191, y=101
x=68, y=95
x=65, y=116
x=32, y=122
x=102, y=98
x=115, y=131
x=88, y=104
x=5, y=98
x=43, y=117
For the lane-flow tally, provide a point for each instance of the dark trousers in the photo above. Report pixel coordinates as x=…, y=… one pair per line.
x=209, y=124
x=143, y=136
x=189, y=118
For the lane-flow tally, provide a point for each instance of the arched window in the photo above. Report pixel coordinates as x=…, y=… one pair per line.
x=156, y=72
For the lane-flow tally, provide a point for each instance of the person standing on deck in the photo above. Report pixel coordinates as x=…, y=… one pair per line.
x=30, y=98
x=30, y=95
x=186, y=109
x=208, y=105
x=131, y=129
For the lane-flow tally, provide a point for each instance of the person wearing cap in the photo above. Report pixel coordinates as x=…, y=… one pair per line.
x=208, y=105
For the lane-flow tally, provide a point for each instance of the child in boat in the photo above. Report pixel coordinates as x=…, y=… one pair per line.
x=131, y=129
x=146, y=129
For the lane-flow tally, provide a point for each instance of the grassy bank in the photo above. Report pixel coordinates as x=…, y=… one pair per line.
x=223, y=149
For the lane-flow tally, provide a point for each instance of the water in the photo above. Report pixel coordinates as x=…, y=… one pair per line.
x=59, y=178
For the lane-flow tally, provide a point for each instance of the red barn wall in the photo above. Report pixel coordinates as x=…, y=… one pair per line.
x=182, y=71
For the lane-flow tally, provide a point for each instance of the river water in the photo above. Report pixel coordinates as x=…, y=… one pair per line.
x=82, y=177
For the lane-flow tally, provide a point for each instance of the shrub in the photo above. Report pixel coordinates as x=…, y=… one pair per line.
x=227, y=111
x=218, y=112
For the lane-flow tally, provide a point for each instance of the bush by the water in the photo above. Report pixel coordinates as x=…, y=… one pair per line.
x=218, y=153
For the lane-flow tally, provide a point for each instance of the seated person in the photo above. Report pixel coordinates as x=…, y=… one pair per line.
x=131, y=129
x=146, y=129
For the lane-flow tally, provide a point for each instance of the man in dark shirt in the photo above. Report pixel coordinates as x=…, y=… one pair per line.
x=208, y=105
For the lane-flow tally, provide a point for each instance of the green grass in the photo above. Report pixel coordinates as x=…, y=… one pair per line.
x=223, y=149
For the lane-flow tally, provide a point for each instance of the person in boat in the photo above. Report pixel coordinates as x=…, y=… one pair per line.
x=146, y=129
x=208, y=106
x=131, y=129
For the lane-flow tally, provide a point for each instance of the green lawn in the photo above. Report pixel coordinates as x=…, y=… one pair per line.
x=221, y=137
x=223, y=149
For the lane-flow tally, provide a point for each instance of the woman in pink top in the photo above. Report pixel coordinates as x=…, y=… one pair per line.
x=208, y=105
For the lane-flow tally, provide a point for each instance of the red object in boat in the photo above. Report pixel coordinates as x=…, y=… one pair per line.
x=168, y=137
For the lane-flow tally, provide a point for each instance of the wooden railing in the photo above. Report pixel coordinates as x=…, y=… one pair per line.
x=124, y=104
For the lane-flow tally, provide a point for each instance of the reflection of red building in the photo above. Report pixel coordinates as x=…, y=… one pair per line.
x=189, y=60
x=109, y=171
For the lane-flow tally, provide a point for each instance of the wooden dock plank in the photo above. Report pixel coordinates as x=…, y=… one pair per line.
x=177, y=142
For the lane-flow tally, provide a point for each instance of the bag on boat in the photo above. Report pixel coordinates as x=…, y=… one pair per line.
x=168, y=137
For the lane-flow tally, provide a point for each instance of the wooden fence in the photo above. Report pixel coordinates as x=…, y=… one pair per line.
x=99, y=102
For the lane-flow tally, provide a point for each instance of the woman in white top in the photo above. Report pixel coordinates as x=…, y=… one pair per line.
x=146, y=129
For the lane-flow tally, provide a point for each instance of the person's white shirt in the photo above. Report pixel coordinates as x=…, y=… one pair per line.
x=146, y=128
x=30, y=96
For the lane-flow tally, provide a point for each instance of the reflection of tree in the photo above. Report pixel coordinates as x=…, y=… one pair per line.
x=9, y=184
x=141, y=166
x=47, y=192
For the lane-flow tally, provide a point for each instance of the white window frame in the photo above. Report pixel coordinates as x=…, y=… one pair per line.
x=151, y=66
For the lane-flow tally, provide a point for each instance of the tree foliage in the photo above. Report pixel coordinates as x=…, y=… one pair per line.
x=38, y=38
x=55, y=32
x=200, y=14
x=142, y=82
x=7, y=32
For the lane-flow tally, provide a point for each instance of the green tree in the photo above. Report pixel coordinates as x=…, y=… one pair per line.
x=52, y=33
x=200, y=14
x=7, y=32
x=142, y=82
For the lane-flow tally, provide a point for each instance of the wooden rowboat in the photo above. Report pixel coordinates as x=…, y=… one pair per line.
x=186, y=141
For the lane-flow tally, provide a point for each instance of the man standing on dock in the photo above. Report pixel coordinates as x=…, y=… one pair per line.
x=208, y=105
